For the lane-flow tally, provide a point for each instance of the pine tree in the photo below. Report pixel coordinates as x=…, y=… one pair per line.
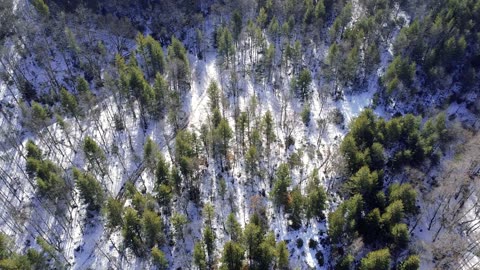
x=90, y=190
x=69, y=102
x=41, y=8
x=406, y=194
x=151, y=153
x=364, y=182
x=223, y=135
x=233, y=228
x=282, y=182
x=236, y=26
x=157, y=58
x=302, y=85
x=161, y=92
x=209, y=240
x=269, y=129
x=152, y=228
x=159, y=259
x=410, y=263
x=199, y=256
x=179, y=66
x=376, y=260
x=315, y=201
x=232, y=256
x=282, y=256
x=253, y=238
x=213, y=96
x=131, y=231
x=296, y=208
x=93, y=153
x=114, y=212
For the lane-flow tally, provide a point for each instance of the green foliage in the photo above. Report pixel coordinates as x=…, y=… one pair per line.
x=90, y=189
x=161, y=92
x=232, y=256
x=178, y=222
x=213, y=96
x=376, y=260
x=394, y=213
x=282, y=256
x=364, y=182
x=69, y=102
x=39, y=114
x=373, y=230
x=162, y=172
x=315, y=200
x=399, y=75
x=159, y=259
x=283, y=180
x=131, y=231
x=222, y=136
x=5, y=246
x=152, y=227
x=345, y=263
x=400, y=235
x=209, y=240
x=345, y=219
x=179, y=65
x=199, y=256
x=114, y=212
x=302, y=85
x=49, y=179
x=234, y=228
x=225, y=44
x=404, y=193
x=306, y=115
x=296, y=207
x=236, y=25
x=151, y=153
x=41, y=8
x=92, y=151
x=33, y=151
x=268, y=130
x=185, y=151
x=410, y=263
x=155, y=52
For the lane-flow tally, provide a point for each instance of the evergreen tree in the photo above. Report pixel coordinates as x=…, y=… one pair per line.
x=410, y=263
x=302, y=85
x=236, y=26
x=209, y=240
x=161, y=92
x=159, y=259
x=223, y=135
x=376, y=260
x=131, y=232
x=406, y=194
x=213, y=96
x=69, y=102
x=199, y=256
x=114, y=212
x=296, y=208
x=41, y=8
x=364, y=182
x=315, y=201
x=232, y=256
x=90, y=190
x=233, y=228
x=179, y=66
x=282, y=182
x=152, y=228
x=282, y=256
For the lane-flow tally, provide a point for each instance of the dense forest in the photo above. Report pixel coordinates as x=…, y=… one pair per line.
x=239, y=134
